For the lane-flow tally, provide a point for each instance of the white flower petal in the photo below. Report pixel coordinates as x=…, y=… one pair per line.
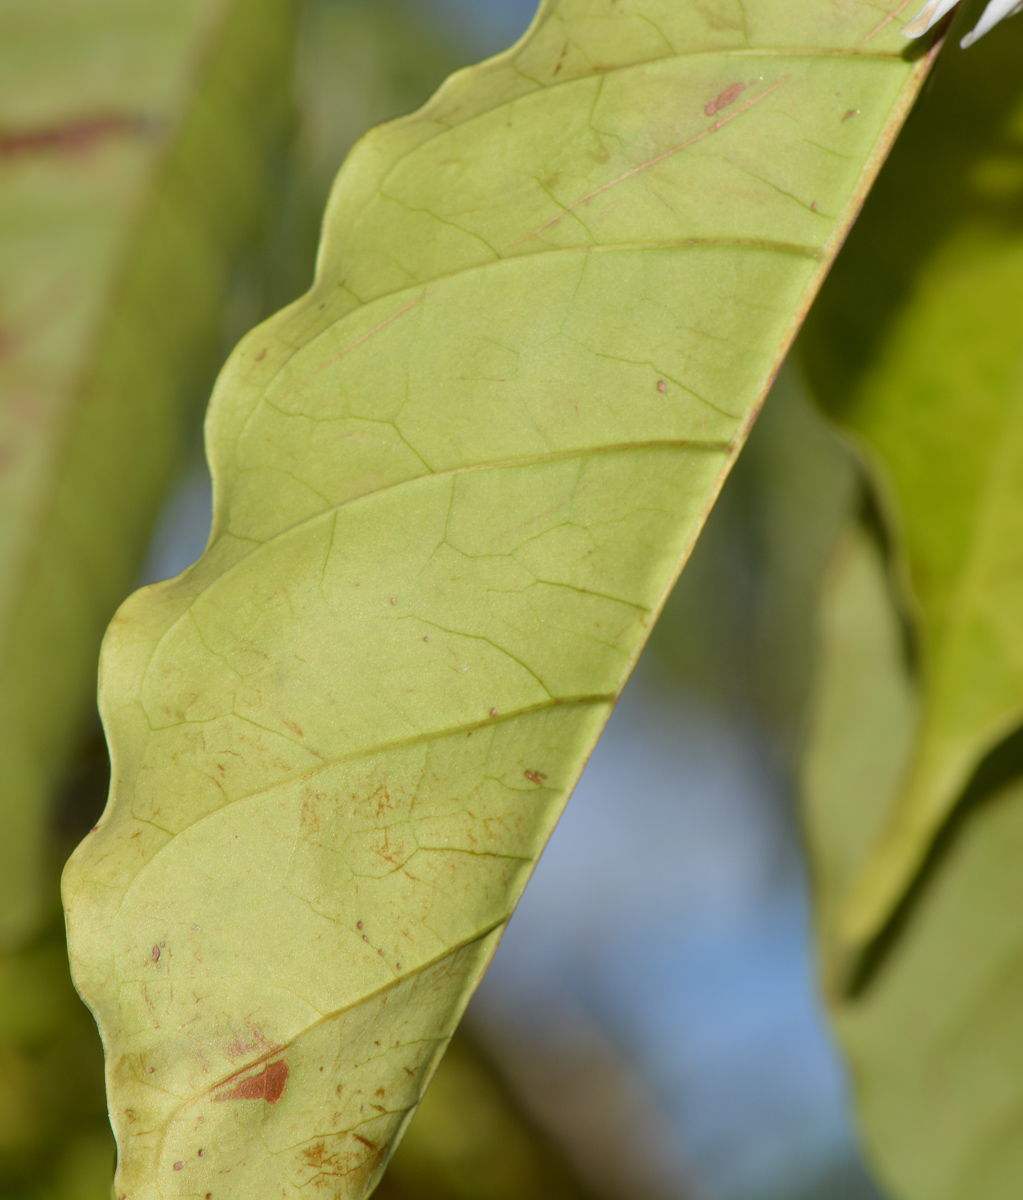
x=929, y=16
x=996, y=11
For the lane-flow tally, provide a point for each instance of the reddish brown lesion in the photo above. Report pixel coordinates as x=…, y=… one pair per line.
x=727, y=97
x=268, y=1085
x=319, y=1156
x=72, y=136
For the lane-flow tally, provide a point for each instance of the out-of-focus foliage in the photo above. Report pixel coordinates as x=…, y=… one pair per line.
x=915, y=349
x=935, y=1035
x=914, y=776
x=469, y=1141
x=135, y=138
x=454, y=484
x=737, y=629
x=54, y=1135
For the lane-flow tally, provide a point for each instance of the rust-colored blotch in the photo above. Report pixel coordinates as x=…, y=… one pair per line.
x=268, y=1085
x=727, y=97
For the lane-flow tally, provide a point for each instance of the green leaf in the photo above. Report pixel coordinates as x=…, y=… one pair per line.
x=133, y=139
x=916, y=349
x=453, y=486
x=935, y=1037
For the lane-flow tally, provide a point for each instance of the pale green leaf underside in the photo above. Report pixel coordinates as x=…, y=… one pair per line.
x=133, y=135
x=453, y=486
x=935, y=1039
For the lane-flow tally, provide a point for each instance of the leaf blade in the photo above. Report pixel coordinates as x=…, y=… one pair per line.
x=345, y=734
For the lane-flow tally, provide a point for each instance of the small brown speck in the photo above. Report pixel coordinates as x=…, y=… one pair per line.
x=94, y=828
x=178, y=1166
x=260, y=356
x=359, y=925
x=150, y=1070
x=813, y=207
x=201, y=1153
x=853, y=112
x=365, y=938
x=493, y=712
x=427, y=638
x=156, y=954
x=662, y=387
x=394, y=601
x=163, y=943
x=381, y=953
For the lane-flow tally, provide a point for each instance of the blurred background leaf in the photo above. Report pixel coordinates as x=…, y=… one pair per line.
x=935, y=1035
x=137, y=139
x=470, y=1140
x=915, y=348
x=915, y=764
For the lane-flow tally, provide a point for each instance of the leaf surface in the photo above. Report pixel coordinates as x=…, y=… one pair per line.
x=133, y=139
x=453, y=486
x=917, y=350
x=935, y=1038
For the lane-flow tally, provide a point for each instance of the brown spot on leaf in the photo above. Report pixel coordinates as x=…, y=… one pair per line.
x=156, y=954
x=536, y=777
x=268, y=1085
x=853, y=112
x=318, y=1155
x=662, y=387
x=261, y=355
x=727, y=97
